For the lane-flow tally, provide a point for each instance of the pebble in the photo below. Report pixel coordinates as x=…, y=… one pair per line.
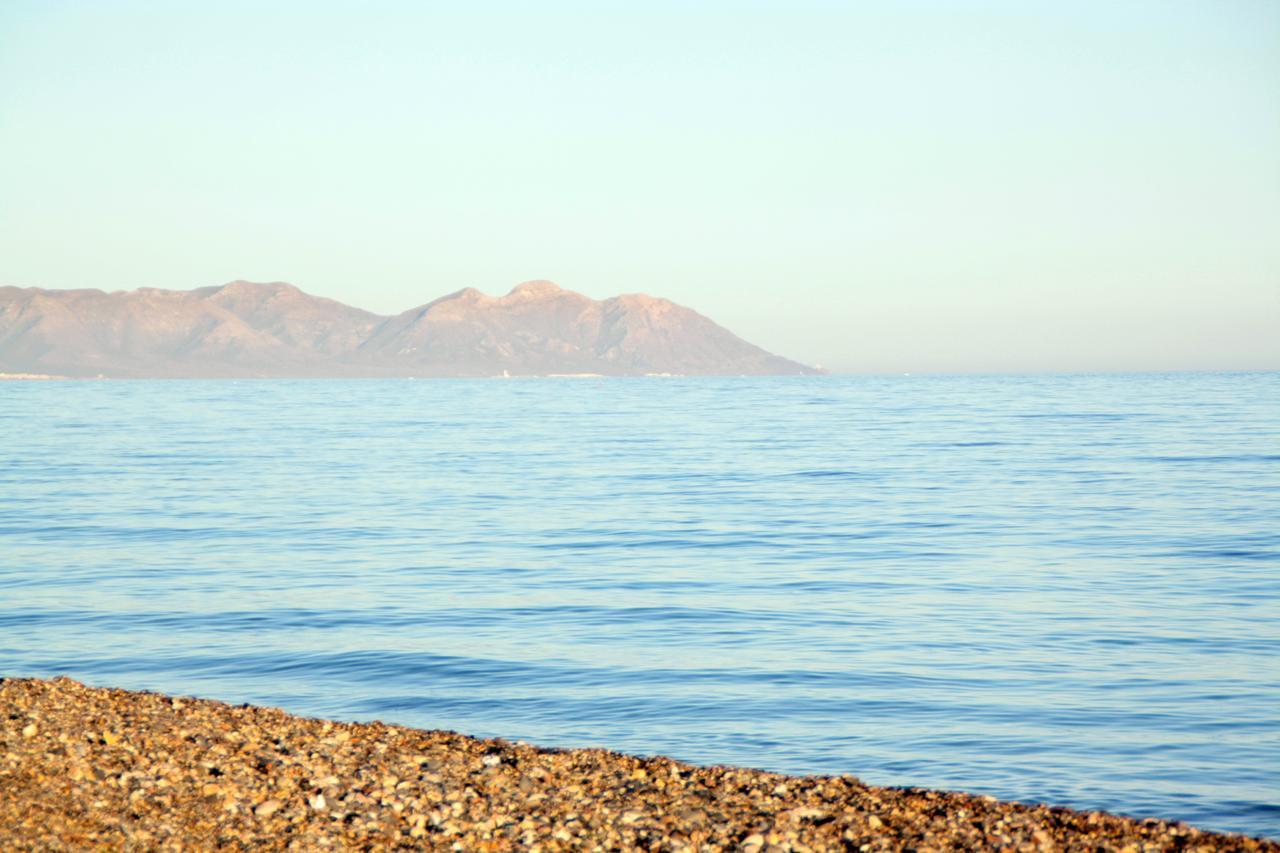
x=140, y=770
x=267, y=808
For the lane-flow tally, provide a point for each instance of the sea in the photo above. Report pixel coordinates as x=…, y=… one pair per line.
x=1056, y=589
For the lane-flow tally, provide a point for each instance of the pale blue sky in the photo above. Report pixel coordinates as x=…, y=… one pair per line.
x=879, y=186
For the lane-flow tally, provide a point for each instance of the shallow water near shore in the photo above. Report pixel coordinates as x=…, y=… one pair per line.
x=1061, y=589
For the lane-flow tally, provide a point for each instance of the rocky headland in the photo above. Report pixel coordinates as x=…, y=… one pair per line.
x=91, y=768
x=247, y=329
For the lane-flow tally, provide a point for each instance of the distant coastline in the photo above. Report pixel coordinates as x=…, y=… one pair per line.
x=274, y=330
x=33, y=377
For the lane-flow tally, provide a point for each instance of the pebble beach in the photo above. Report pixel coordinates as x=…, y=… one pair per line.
x=84, y=767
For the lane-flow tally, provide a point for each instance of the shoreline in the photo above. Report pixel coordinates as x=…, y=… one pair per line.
x=35, y=377
x=88, y=767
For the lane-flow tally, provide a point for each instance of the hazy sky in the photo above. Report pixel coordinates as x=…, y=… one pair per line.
x=877, y=186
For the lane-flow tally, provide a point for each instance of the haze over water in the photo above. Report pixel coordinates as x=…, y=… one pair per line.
x=1057, y=588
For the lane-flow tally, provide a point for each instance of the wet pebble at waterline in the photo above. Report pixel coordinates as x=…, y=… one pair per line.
x=88, y=767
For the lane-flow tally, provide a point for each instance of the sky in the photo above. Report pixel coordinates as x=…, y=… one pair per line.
x=878, y=187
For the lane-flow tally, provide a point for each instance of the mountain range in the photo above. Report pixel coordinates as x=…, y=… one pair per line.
x=248, y=329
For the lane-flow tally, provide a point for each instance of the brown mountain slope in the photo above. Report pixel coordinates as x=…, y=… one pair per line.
x=239, y=329
x=248, y=329
x=295, y=319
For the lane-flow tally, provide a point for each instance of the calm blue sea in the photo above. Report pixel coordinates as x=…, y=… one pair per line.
x=1061, y=589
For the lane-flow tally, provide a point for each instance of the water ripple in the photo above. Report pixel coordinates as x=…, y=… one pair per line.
x=1057, y=589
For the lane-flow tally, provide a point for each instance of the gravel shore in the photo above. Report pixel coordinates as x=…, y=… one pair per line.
x=84, y=767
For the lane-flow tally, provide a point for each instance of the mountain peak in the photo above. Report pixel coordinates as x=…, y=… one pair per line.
x=242, y=286
x=466, y=294
x=536, y=287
